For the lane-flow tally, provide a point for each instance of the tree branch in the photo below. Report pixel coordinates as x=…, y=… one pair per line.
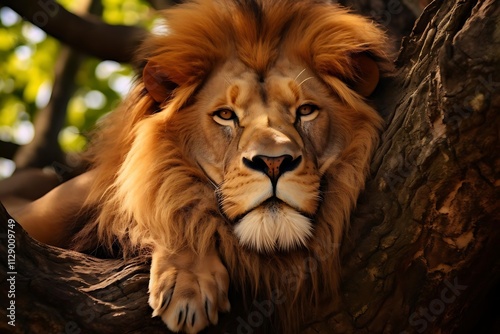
x=8, y=149
x=87, y=34
x=70, y=292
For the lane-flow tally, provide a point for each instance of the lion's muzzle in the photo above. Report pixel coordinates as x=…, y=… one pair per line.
x=273, y=192
x=273, y=167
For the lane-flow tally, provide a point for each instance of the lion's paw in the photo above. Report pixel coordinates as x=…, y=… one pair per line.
x=188, y=298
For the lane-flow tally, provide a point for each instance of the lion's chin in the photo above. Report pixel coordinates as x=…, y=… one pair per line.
x=273, y=226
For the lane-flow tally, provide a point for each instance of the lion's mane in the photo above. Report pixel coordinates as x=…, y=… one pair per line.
x=148, y=192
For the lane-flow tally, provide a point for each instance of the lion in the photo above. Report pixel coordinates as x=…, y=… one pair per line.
x=237, y=157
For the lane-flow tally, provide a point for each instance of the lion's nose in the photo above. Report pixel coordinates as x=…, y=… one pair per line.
x=273, y=167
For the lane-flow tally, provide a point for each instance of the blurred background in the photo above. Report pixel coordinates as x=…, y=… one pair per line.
x=28, y=59
x=54, y=89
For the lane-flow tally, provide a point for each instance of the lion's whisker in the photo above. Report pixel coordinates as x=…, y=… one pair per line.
x=300, y=84
x=298, y=75
x=212, y=182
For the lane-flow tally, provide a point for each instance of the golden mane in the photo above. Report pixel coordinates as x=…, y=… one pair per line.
x=149, y=192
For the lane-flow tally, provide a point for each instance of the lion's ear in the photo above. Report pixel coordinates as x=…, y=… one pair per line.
x=367, y=74
x=157, y=82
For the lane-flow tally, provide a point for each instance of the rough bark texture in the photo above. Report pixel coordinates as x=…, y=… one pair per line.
x=422, y=253
x=395, y=15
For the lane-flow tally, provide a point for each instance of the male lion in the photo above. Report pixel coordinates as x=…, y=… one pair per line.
x=237, y=156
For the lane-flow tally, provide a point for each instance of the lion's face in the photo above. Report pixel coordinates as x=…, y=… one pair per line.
x=262, y=105
x=265, y=143
x=248, y=132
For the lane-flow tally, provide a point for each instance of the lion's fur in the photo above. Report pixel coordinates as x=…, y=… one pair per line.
x=150, y=192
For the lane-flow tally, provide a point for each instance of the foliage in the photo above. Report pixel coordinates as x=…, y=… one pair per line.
x=28, y=57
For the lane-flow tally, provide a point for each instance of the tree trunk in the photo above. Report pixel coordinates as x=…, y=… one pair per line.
x=422, y=253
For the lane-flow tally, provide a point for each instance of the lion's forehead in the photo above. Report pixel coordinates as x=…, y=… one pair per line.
x=283, y=87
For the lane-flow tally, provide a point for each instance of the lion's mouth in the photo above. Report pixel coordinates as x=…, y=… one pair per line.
x=273, y=225
x=267, y=221
x=272, y=204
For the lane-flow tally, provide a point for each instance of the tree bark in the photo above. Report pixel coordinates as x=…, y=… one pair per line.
x=395, y=15
x=422, y=252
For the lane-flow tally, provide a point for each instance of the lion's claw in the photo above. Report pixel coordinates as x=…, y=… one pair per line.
x=186, y=292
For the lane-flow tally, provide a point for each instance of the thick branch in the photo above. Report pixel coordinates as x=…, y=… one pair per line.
x=87, y=34
x=72, y=292
x=86, y=283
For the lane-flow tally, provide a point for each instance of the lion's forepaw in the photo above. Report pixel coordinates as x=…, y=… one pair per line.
x=188, y=292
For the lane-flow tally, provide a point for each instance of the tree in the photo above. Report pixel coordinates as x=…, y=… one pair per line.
x=422, y=252
x=73, y=77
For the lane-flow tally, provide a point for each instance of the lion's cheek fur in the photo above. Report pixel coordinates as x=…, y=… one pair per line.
x=301, y=190
x=161, y=196
x=238, y=199
x=139, y=183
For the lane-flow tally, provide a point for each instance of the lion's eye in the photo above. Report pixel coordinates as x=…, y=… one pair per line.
x=307, y=112
x=224, y=116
